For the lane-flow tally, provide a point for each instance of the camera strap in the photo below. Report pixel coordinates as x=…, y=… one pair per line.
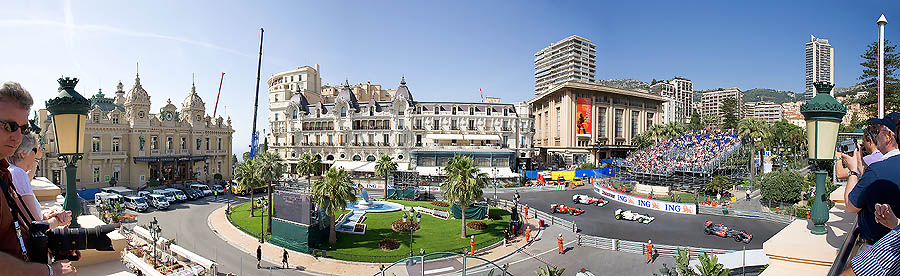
x=17, y=214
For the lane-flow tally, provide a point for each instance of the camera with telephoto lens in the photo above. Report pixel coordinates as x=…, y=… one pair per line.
x=847, y=146
x=64, y=241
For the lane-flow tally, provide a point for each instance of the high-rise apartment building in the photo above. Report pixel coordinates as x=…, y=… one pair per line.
x=766, y=111
x=680, y=91
x=570, y=59
x=819, y=64
x=712, y=101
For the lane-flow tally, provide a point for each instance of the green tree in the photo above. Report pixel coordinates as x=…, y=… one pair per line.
x=385, y=167
x=655, y=132
x=332, y=194
x=718, y=184
x=730, y=114
x=234, y=159
x=673, y=129
x=695, y=123
x=641, y=141
x=248, y=177
x=869, y=78
x=708, y=120
x=757, y=133
x=683, y=263
x=710, y=266
x=463, y=184
x=309, y=165
x=549, y=271
x=246, y=156
x=271, y=168
x=783, y=185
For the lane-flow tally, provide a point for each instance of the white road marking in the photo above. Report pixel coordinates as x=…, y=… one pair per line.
x=439, y=270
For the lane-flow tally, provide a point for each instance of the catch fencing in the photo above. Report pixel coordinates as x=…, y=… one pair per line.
x=609, y=243
x=719, y=211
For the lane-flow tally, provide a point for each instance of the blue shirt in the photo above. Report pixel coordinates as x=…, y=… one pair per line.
x=877, y=185
x=882, y=258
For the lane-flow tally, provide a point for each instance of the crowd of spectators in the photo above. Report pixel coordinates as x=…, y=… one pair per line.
x=693, y=151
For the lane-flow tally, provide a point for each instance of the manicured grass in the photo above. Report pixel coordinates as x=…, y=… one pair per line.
x=435, y=235
x=240, y=215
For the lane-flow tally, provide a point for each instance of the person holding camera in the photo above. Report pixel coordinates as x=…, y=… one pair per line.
x=23, y=164
x=15, y=103
x=877, y=183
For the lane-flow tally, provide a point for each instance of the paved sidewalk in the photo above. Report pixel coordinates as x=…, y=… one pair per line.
x=325, y=266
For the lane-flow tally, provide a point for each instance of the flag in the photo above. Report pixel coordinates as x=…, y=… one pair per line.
x=482, y=94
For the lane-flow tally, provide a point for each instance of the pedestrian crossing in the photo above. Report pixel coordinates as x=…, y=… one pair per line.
x=225, y=200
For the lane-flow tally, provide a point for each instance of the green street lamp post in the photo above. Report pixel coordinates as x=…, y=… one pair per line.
x=823, y=116
x=69, y=115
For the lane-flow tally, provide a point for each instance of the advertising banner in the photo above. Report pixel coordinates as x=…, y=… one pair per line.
x=583, y=116
x=665, y=206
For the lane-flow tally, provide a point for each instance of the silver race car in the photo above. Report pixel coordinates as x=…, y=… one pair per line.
x=632, y=216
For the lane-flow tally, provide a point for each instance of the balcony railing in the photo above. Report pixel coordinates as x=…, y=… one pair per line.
x=843, y=256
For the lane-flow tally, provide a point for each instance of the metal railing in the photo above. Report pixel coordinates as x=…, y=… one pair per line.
x=843, y=256
x=708, y=210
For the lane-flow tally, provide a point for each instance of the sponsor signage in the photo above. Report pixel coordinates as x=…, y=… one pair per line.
x=441, y=214
x=665, y=206
x=583, y=116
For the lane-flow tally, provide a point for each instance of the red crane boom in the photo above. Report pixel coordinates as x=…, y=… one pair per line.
x=217, y=95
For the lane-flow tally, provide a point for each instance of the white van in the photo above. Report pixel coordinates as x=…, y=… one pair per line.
x=179, y=194
x=158, y=201
x=203, y=188
x=136, y=203
x=170, y=196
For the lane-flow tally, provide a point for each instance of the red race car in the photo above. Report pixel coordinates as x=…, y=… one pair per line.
x=723, y=231
x=560, y=208
x=588, y=200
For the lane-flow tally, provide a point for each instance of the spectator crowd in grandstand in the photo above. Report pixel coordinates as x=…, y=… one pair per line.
x=693, y=151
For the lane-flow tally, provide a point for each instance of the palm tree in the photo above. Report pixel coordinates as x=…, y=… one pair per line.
x=753, y=130
x=463, y=184
x=248, y=178
x=708, y=120
x=332, y=194
x=309, y=165
x=549, y=271
x=656, y=131
x=673, y=129
x=271, y=169
x=385, y=167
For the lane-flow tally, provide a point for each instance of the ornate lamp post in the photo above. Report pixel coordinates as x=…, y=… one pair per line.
x=154, y=234
x=69, y=112
x=494, y=170
x=823, y=116
x=411, y=230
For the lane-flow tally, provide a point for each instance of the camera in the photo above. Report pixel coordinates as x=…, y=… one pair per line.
x=65, y=240
x=847, y=146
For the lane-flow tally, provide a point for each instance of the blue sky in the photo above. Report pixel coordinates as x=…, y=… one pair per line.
x=446, y=49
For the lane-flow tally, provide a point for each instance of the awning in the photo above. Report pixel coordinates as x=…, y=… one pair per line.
x=444, y=136
x=206, y=263
x=502, y=172
x=356, y=166
x=481, y=137
x=147, y=269
x=429, y=171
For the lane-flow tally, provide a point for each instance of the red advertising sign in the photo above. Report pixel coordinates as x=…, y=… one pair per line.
x=583, y=116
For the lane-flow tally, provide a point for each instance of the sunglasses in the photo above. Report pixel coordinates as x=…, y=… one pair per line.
x=12, y=126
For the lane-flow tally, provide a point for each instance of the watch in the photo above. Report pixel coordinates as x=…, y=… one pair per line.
x=858, y=175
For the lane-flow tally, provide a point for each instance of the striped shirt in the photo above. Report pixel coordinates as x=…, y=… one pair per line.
x=882, y=258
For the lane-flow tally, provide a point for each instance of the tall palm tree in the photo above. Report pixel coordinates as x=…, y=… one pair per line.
x=309, y=165
x=248, y=178
x=271, y=169
x=708, y=120
x=656, y=131
x=332, y=194
x=385, y=167
x=463, y=184
x=673, y=129
x=754, y=130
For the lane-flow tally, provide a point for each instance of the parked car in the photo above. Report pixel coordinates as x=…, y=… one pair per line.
x=179, y=194
x=158, y=201
x=136, y=203
x=170, y=196
x=219, y=188
x=193, y=193
x=203, y=188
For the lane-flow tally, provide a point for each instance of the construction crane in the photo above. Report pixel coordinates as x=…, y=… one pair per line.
x=217, y=95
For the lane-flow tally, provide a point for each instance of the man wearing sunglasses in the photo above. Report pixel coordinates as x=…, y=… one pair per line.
x=15, y=103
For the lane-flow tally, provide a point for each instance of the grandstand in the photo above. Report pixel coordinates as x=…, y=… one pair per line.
x=690, y=161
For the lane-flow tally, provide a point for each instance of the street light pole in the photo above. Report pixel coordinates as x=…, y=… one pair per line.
x=881, y=22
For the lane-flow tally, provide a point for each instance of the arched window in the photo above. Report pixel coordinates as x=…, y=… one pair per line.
x=370, y=158
x=343, y=111
x=294, y=116
x=329, y=157
x=357, y=158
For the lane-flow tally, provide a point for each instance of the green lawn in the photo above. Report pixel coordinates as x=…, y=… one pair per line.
x=240, y=215
x=435, y=235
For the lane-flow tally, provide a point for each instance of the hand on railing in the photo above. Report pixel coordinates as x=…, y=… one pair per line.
x=885, y=216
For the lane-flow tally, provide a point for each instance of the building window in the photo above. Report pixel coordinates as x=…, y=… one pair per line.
x=95, y=144
x=198, y=143
x=115, y=144
x=453, y=124
x=471, y=110
x=343, y=112
x=601, y=122
x=617, y=121
x=96, y=118
x=140, y=114
x=387, y=139
x=489, y=109
x=207, y=143
x=505, y=125
x=154, y=142
x=437, y=109
x=276, y=116
x=219, y=143
x=649, y=120
x=294, y=116
x=634, y=123
x=183, y=143
x=454, y=110
x=169, y=142
x=471, y=124
x=506, y=112
x=437, y=124
x=401, y=140
x=96, y=175
x=400, y=124
x=115, y=119
x=558, y=122
x=418, y=124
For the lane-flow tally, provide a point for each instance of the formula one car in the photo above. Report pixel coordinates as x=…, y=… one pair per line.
x=583, y=199
x=723, y=231
x=632, y=216
x=560, y=208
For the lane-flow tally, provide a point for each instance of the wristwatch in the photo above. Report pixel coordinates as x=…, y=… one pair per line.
x=855, y=173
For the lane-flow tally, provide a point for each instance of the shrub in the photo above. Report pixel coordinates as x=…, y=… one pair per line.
x=217, y=176
x=400, y=226
x=783, y=186
x=388, y=244
x=440, y=203
x=494, y=216
x=476, y=225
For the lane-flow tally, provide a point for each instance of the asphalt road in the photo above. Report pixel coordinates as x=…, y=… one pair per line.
x=187, y=224
x=667, y=228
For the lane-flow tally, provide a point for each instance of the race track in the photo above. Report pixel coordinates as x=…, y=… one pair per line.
x=667, y=228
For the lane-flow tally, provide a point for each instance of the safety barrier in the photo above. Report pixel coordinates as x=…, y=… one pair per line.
x=719, y=211
x=843, y=256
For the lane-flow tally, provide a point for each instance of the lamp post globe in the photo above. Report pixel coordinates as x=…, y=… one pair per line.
x=69, y=115
x=823, y=115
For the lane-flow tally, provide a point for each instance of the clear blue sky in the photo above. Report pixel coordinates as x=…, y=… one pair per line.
x=447, y=50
